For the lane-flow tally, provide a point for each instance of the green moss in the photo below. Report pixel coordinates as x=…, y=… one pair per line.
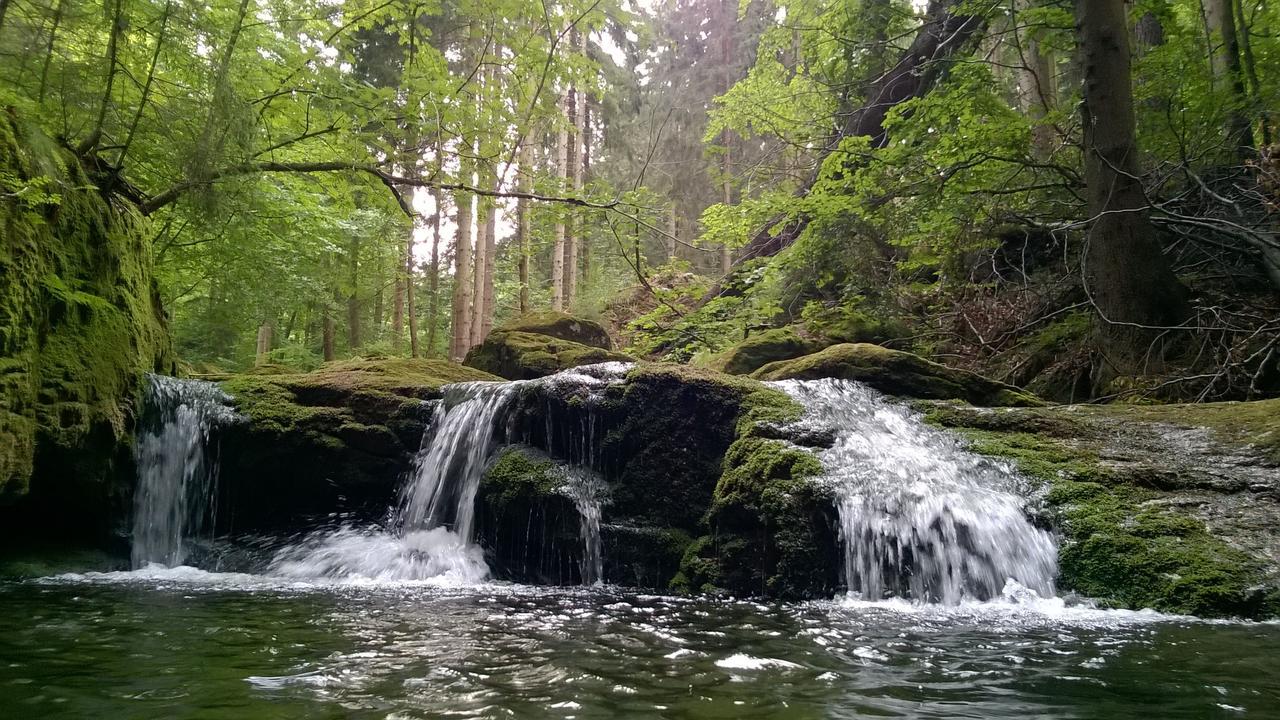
x=517, y=478
x=760, y=349
x=1119, y=544
x=563, y=327
x=79, y=324
x=896, y=373
x=519, y=355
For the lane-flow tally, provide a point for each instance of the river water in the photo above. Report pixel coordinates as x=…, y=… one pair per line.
x=182, y=643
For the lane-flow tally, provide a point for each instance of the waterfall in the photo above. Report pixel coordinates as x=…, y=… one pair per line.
x=920, y=517
x=586, y=489
x=446, y=473
x=177, y=467
x=431, y=536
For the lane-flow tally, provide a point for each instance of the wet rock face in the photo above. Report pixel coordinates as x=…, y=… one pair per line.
x=1175, y=507
x=895, y=372
x=334, y=441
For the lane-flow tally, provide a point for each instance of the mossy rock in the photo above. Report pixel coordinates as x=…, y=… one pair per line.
x=80, y=325
x=896, y=373
x=335, y=440
x=564, y=327
x=1169, y=506
x=520, y=355
x=760, y=349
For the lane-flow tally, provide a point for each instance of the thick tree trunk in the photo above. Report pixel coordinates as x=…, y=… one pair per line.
x=1126, y=274
x=1224, y=54
x=941, y=36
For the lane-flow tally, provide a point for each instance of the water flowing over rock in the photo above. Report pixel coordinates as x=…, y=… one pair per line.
x=177, y=467
x=921, y=518
x=586, y=489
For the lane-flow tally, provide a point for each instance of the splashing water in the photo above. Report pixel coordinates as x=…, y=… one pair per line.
x=177, y=468
x=431, y=537
x=921, y=518
x=586, y=489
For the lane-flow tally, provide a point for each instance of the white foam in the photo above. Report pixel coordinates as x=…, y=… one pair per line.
x=742, y=661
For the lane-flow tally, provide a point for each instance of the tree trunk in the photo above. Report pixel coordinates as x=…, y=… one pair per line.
x=353, y=295
x=48, y=51
x=558, y=251
x=403, y=275
x=1224, y=54
x=1126, y=273
x=462, y=270
x=327, y=330
x=573, y=173
x=490, y=260
x=1251, y=72
x=265, y=332
x=584, y=238
x=522, y=222
x=673, y=230
x=433, y=311
x=942, y=35
x=1036, y=91
x=409, y=296
x=478, y=309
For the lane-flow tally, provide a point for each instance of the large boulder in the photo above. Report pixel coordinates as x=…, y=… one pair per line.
x=522, y=355
x=80, y=325
x=564, y=327
x=1172, y=507
x=335, y=440
x=760, y=349
x=895, y=372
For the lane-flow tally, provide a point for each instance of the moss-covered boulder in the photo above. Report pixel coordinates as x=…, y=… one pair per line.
x=335, y=440
x=522, y=355
x=896, y=373
x=526, y=522
x=80, y=323
x=1172, y=507
x=761, y=348
x=564, y=327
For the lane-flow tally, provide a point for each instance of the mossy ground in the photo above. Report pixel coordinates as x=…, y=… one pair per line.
x=1123, y=541
x=760, y=349
x=562, y=326
x=897, y=373
x=80, y=323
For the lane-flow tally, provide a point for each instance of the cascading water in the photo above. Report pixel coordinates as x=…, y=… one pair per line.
x=586, y=489
x=431, y=532
x=920, y=517
x=177, y=467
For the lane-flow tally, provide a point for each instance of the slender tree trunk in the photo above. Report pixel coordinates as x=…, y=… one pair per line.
x=558, y=251
x=403, y=277
x=265, y=332
x=113, y=43
x=1251, y=73
x=478, y=309
x=1036, y=91
x=490, y=259
x=146, y=86
x=379, y=295
x=48, y=51
x=673, y=230
x=328, y=332
x=353, y=295
x=573, y=173
x=409, y=296
x=1224, y=53
x=584, y=237
x=4, y=9
x=433, y=282
x=1127, y=275
x=463, y=266
x=726, y=253
x=522, y=222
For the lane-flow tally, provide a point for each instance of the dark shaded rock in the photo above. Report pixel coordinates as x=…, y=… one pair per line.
x=337, y=440
x=563, y=327
x=520, y=355
x=896, y=373
x=527, y=525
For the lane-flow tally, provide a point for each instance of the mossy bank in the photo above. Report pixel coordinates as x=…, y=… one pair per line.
x=80, y=324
